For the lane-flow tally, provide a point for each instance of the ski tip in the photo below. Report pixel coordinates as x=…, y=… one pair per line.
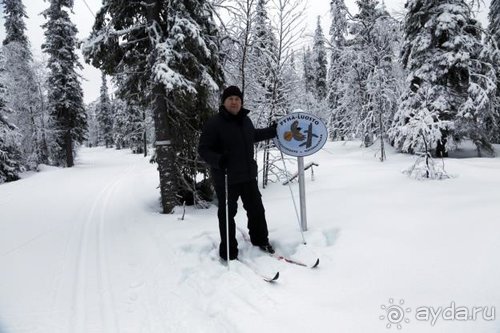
x=274, y=278
x=316, y=264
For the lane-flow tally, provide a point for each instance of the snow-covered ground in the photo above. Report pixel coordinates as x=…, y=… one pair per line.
x=86, y=250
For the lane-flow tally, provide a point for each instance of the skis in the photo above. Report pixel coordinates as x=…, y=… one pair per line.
x=294, y=261
x=253, y=267
x=286, y=259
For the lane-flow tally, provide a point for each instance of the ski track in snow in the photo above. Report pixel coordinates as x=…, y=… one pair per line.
x=90, y=287
x=93, y=237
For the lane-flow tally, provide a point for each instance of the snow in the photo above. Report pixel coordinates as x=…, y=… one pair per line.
x=85, y=249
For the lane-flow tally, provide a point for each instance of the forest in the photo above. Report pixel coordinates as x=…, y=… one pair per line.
x=423, y=83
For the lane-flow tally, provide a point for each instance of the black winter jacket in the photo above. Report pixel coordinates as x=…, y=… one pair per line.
x=234, y=137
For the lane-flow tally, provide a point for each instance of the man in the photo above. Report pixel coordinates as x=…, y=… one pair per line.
x=227, y=145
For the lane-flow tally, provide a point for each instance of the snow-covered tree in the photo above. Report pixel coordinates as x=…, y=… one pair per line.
x=92, y=124
x=336, y=121
x=494, y=43
x=286, y=27
x=129, y=126
x=24, y=97
x=236, y=44
x=166, y=55
x=105, y=115
x=494, y=19
x=258, y=92
x=10, y=156
x=65, y=92
x=119, y=122
x=308, y=70
x=319, y=62
x=15, y=28
x=444, y=55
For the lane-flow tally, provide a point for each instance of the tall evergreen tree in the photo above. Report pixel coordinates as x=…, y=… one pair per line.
x=65, y=95
x=10, y=156
x=15, y=28
x=263, y=60
x=355, y=66
x=338, y=32
x=24, y=97
x=92, y=124
x=166, y=55
x=105, y=115
x=443, y=53
x=319, y=62
x=308, y=70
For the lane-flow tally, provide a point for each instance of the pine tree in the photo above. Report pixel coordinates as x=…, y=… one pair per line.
x=319, y=62
x=65, y=96
x=105, y=115
x=443, y=53
x=166, y=55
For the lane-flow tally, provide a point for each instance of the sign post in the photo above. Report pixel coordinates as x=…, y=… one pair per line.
x=300, y=134
x=302, y=194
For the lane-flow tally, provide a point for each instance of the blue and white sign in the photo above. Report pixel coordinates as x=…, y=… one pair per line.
x=300, y=134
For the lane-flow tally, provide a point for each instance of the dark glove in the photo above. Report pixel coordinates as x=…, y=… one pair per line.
x=274, y=124
x=223, y=161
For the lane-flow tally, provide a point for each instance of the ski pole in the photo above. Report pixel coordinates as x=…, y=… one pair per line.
x=227, y=219
x=291, y=193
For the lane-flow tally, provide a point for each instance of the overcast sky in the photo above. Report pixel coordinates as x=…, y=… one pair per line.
x=84, y=20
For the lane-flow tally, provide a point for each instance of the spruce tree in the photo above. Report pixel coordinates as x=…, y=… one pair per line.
x=65, y=94
x=24, y=96
x=308, y=71
x=166, y=56
x=10, y=156
x=319, y=62
x=15, y=28
x=263, y=60
x=447, y=72
x=105, y=115
x=338, y=31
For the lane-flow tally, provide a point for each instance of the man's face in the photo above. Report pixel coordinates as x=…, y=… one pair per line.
x=233, y=104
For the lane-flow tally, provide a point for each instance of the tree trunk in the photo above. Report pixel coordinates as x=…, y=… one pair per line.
x=144, y=136
x=381, y=130
x=165, y=155
x=68, y=145
x=441, y=145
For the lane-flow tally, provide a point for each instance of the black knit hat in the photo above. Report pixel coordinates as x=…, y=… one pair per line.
x=231, y=91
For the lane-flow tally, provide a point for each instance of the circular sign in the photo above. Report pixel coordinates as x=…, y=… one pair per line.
x=300, y=134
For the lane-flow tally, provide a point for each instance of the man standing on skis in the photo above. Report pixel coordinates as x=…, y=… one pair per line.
x=227, y=145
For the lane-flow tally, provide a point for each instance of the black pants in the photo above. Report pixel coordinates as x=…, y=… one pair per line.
x=252, y=202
